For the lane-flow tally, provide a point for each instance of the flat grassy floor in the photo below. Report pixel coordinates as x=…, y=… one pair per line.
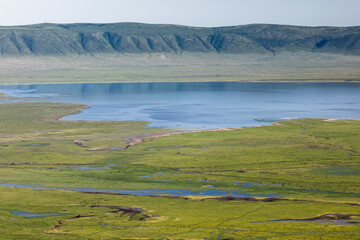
x=186, y=67
x=302, y=177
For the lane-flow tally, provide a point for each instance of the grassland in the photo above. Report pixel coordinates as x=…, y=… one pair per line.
x=301, y=179
x=166, y=67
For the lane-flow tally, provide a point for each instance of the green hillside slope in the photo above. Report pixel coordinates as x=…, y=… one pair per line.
x=65, y=39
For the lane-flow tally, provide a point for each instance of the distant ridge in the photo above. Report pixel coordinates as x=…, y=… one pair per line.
x=66, y=39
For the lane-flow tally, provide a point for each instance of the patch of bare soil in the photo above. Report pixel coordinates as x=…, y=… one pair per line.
x=98, y=149
x=142, y=138
x=55, y=229
x=251, y=199
x=329, y=120
x=344, y=219
x=331, y=217
x=131, y=212
x=80, y=143
x=81, y=216
x=173, y=197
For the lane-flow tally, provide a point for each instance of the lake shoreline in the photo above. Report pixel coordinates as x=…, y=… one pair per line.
x=201, y=81
x=198, y=105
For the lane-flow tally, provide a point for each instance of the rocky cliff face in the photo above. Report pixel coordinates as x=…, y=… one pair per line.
x=60, y=39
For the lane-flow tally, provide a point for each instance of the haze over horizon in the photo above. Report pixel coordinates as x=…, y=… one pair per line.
x=199, y=13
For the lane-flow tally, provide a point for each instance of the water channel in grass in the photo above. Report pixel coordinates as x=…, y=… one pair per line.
x=147, y=192
x=36, y=215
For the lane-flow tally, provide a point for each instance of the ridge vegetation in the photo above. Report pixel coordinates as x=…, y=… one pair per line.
x=65, y=39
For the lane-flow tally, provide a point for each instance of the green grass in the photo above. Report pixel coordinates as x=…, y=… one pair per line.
x=186, y=67
x=313, y=164
x=169, y=218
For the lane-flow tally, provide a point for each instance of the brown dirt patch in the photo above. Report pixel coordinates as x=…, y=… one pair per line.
x=80, y=143
x=55, y=229
x=250, y=199
x=151, y=137
x=131, y=212
x=332, y=217
x=98, y=149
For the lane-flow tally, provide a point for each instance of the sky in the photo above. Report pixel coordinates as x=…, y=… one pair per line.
x=201, y=13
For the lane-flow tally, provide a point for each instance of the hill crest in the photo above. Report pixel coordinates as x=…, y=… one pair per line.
x=87, y=38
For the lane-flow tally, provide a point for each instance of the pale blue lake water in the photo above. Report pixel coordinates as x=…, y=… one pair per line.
x=201, y=105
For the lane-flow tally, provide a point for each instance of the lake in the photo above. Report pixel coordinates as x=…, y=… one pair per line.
x=200, y=105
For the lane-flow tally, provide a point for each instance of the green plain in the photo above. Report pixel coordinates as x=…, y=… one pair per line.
x=185, y=67
x=313, y=164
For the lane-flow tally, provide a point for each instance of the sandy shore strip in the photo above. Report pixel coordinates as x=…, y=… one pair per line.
x=330, y=120
x=136, y=140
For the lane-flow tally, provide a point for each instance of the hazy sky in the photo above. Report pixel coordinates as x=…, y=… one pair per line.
x=184, y=12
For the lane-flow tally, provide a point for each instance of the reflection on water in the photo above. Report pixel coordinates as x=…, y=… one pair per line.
x=147, y=192
x=34, y=145
x=201, y=105
x=94, y=168
x=337, y=222
x=36, y=215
